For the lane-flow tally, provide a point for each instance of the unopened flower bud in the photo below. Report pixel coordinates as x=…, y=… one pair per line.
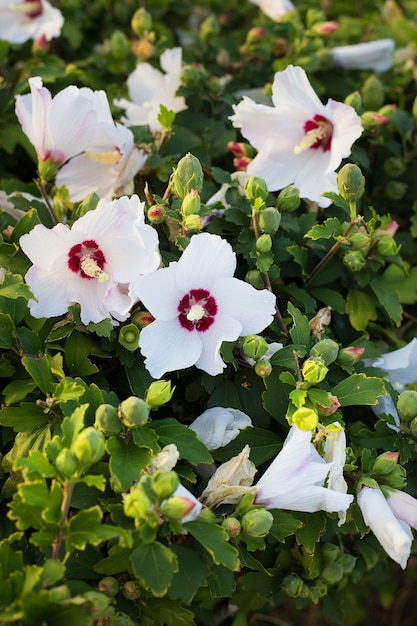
x=158, y=393
x=332, y=573
x=386, y=246
x=395, y=190
x=394, y=167
x=232, y=526
x=66, y=463
x=305, y=418
x=107, y=420
x=263, y=367
x=329, y=410
x=255, y=346
x=324, y=28
x=255, y=34
x=288, y=199
x=256, y=188
x=129, y=337
x=354, y=100
x=136, y=504
x=359, y=241
x=263, y=243
x=142, y=319
x=192, y=222
x=327, y=349
x=350, y=355
x=177, y=507
x=354, y=260
x=257, y=523
x=314, y=370
x=131, y=590
x=385, y=463
x=373, y=95
x=40, y=45
x=191, y=204
x=293, y=586
x=193, y=75
x=187, y=176
x=241, y=163
x=109, y=585
x=89, y=446
x=254, y=278
x=119, y=44
x=413, y=427
x=240, y=149
x=141, y=22
x=134, y=412
x=164, y=484
x=371, y=120
x=407, y=405
x=157, y=213
x=269, y=220
x=350, y=182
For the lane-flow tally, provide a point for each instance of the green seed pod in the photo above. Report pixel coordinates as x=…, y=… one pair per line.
x=395, y=190
x=354, y=260
x=187, y=176
x=257, y=523
x=394, y=167
x=407, y=405
x=332, y=573
x=288, y=199
x=134, y=412
x=350, y=182
x=129, y=337
x=269, y=220
x=359, y=241
x=255, y=346
x=89, y=446
x=131, y=590
x=109, y=585
x=327, y=349
x=264, y=243
x=107, y=420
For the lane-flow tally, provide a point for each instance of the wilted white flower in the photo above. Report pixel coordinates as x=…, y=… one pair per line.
x=217, y=427
x=335, y=453
x=231, y=481
x=369, y=55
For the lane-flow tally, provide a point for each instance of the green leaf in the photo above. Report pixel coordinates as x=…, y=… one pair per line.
x=69, y=389
x=359, y=389
x=221, y=582
x=38, y=368
x=285, y=356
x=329, y=297
x=23, y=418
x=360, y=308
x=126, y=462
x=300, y=332
x=146, y=438
x=115, y=563
x=18, y=390
x=191, y=575
x=330, y=228
x=166, y=613
x=77, y=348
x=154, y=564
x=284, y=525
x=7, y=329
x=166, y=117
x=215, y=540
x=403, y=282
x=37, y=462
x=187, y=442
x=82, y=528
x=263, y=444
x=25, y=224
x=139, y=378
x=312, y=527
x=388, y=299
x=13, y=287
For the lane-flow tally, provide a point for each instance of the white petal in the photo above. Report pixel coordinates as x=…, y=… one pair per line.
x=347, y=128
x=256, y=121
x=171, y=60
x=253, y=308
x=225, y=328
x=168, y=347
x=47, y=248
x=403, y=506
x=308, y=499
x=159, y=292
x=291, y=88
x=50, y=290
x=373, y=55
x=82, y=175
x=217, y=426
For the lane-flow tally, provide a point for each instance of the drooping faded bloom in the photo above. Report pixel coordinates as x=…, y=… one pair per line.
x=335, y=453
x=149, y=88
x=22, y=20
x=231, y=481
x=42, y=120
x=217, y=427
x=275, y=9
x=384, y=518
x=369, y=55
x=197, y=304
x=92, y=263
x=295, y=479
x=299, y=140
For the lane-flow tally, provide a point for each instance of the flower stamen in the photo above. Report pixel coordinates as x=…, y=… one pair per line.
x=318, y=134
x=32, y=8
x=87, y=259
x=197, y=310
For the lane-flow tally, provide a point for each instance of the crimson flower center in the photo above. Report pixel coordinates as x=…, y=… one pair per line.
x=88, y=260
x=197, y=310
x=32, y=8
x=318, y=133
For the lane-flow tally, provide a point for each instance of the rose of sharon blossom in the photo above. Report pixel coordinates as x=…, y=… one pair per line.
x=21, y=20
x=299, y=140
x=93, y=263
x=275, y=9
x=197, y=304
x=149, y=88
x=369, y=55
x=295, y=479
x=216, y=427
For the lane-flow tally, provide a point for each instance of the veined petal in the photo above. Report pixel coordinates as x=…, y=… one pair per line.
x=73, y=136
x=50, y=290
x=347, y=128
x=291, y=87
x=159, y=292
x=256, y=121
x=206, y=259
x=145, y=84
x=308, y=499
x=252, y=307
x=168, y=347
x=218, y=426
x=225, y=328
x=47, y=247
x=90, y=295
x=82, y=175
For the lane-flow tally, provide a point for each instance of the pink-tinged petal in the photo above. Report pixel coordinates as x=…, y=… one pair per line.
x=50, y=290
x=291, y=88
x=47, y=248
x=403, y=506
x=159, y=292
x=206, y=259
x=82, y=175
x=253, y=308
x=225, y=328
x=393, y=535
x=32, y=111
x=400, y=365
x=168, y=347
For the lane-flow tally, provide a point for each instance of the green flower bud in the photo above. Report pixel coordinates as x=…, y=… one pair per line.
x=256, y=188
x=305, y=418
x=136, y=504
x=164, y=484
x=263, y=243
x=354, y=260
x=157, y=213
x=89, y=446
x=109, y=585
x=407, y=405
x=192, y=222
x=141, y=22
x=194, y=75
x=414, y=109
x=263, y=368
x=187, y=176
x=66, y=463
x=332, y=573
x=413, y=427
x=354, y=100
x=158, y=393
x=350, y=182
x=191, y=204
x=134, y=412
x=129, y=337
x=359, y=241
x=371, y=120
x=142, y=319
x=373, y=95
x=131, y=590
x=314, y=370
x=207, y=515
x=288, y=199
x=327, y=349
x=395, y=190
x=257, y=523
x=385, y=463
x=255, y=346
x=107, y=420
x=177, y=507
x=350, y=355
x=386, y=246
x=293, y=586
x=254, y=278
x=48, y=169
x=269, y=220
x=119, y=44
x=232, y=526
x=394, y=167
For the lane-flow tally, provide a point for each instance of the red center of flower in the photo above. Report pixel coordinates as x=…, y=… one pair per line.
x=87, y=259
x=33, y=8
x=318, y=134
x=197, y=310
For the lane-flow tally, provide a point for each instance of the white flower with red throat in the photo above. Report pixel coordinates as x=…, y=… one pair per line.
x=91, y=264
x=41, y=118
x=21, y=20
x=149, y=88
x=275, y=9
x=197, y=304
x=300, y=141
